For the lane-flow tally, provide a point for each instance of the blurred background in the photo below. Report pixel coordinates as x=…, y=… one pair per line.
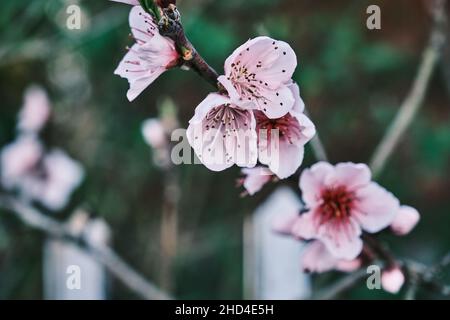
x=351, y=78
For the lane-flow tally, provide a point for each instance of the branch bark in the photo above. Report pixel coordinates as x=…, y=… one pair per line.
x=33, y=218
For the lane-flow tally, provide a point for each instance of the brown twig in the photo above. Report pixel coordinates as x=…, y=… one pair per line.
x=342, y=285
x=32, y=217
x=171, y=27
x=317, y=145
x=415, y=97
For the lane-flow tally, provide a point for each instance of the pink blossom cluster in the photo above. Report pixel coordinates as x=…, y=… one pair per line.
x=26, y=167
x=257, y=116
x=341, y=203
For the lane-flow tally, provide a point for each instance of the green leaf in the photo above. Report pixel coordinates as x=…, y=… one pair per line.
x=151, y=7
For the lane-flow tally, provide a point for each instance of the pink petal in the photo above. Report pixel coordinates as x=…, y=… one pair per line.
x=405, y=220
x=348, y=265
x=285, y=162
x=316, y=258
x=376, y=208
x=274, y=103
x=308, y=129
x=154, y=133
x=36, y=110
x=305, y=226
x=132, y=2
x=142, y=25
x=256, y=178
x=392, y=280
x=233, y=94
x=258, y=75
x=19, y=159
x=222, y=134
x=350, y=175
x=275, y=56
x=312, y=181
x=63, y=176
x=341, y=239
x=299, y=105
x=283, y=149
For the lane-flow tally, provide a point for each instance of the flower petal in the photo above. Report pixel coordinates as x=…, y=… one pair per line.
x=222, y=134
x=256, y=178
x=308, y=129
x=405, y=220
x=312, y=181
x=376, y=208
x=35, y=111
x=142, y=25
x=350, y=175
x=348, y=265
x=341, y=239
x=316, y=258
x=392, y=280
x=285, y=162
x=305, y=226
x=299, y=105
x=132, y=2
x=154, y=133
x=273, y=61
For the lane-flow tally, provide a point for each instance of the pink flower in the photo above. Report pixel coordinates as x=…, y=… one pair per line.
x=255, y=179
x=151, y=56
x=405, y=220
x=154, y=133
x=258, y=75
x=392, y=280
x=281, y=141
x=18, y=159
x=60, y=176
x=342, y=201
x=35, y=111
x=316, y=258
x=132, y=2
x=222, y=134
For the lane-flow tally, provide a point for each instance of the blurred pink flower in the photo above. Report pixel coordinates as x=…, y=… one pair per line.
x=35, y=111
x=342, y=201
x=255, y=178
x=392, y=280
x=151, y=56
x=222, y=134
x=258, y=75
x=56, y=180
x=405, y=220
x=18, y=159
x=316, y=258
x=154, y=133
x=281, y=141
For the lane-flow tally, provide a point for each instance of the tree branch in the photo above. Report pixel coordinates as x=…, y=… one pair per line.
x=342, y=285
x=170, y=26
x=103, y=254
x=415, y=97
x=317, y=145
